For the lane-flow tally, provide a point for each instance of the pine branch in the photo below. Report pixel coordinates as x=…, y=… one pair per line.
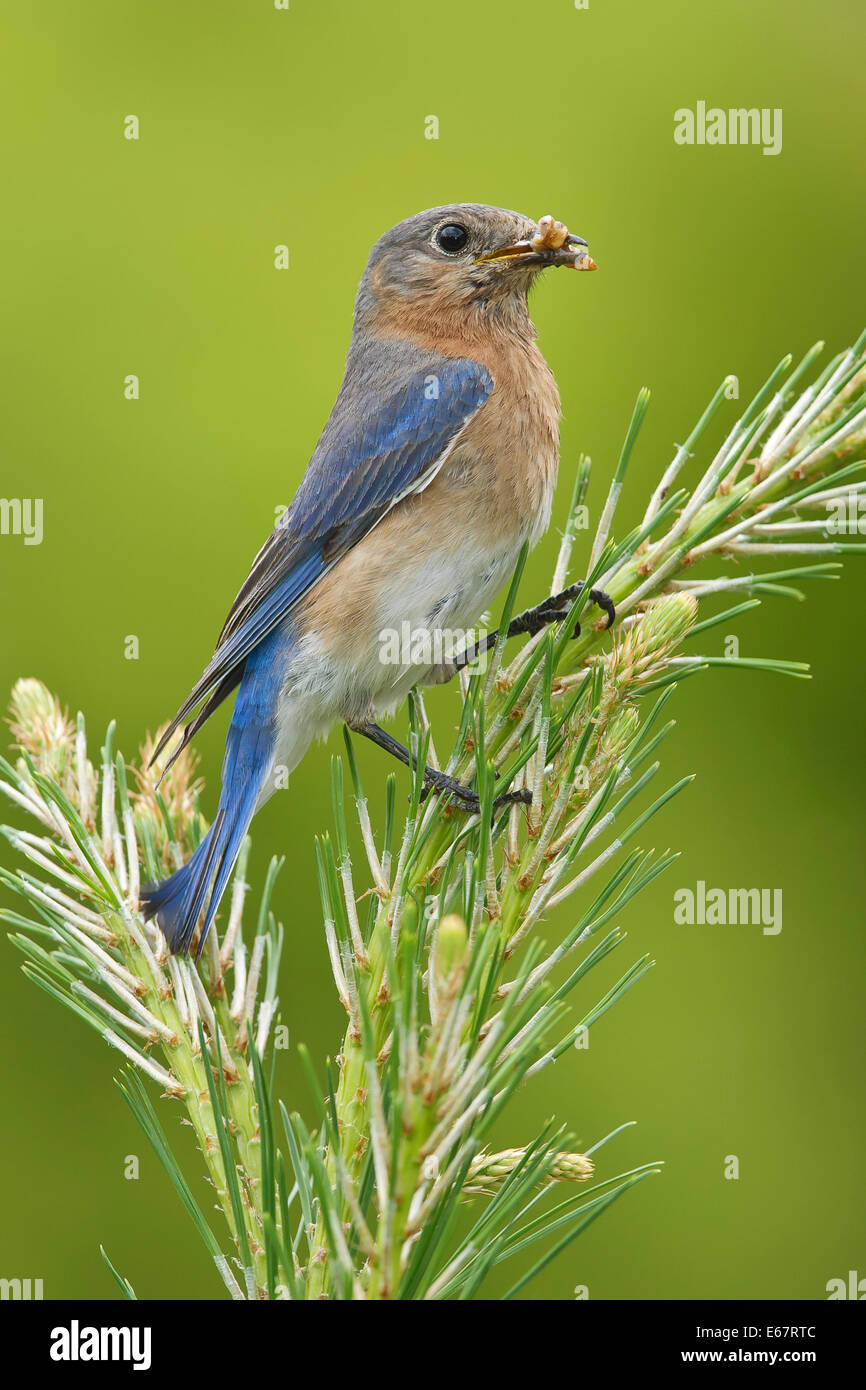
x=453, y=1000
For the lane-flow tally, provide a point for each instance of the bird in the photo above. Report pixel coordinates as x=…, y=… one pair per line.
x=436, y=466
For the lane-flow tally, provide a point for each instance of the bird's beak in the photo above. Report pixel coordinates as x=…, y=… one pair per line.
x=552, y=244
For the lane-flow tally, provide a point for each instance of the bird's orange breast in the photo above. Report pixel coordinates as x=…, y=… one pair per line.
x=501, y=473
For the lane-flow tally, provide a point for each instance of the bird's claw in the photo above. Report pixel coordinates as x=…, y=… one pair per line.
x=464, y=798
x=601, y=600
x=555, y=610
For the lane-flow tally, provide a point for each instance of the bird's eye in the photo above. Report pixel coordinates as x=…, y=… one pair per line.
x=452, y=239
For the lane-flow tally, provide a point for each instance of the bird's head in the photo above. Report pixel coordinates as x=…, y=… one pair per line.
x=463, y=261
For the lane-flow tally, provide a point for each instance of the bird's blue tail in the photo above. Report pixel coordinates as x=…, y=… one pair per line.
x=178, y=902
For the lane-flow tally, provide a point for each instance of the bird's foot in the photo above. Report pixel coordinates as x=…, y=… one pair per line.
x=464, y=798
x=555, y=610
x=439, y=783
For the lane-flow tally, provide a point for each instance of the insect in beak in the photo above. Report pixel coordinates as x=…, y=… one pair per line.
x=552, y=244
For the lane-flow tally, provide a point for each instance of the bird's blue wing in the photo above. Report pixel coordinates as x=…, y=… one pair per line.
x=386, y=438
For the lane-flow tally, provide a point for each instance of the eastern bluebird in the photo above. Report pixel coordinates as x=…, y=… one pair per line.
x=437, y=464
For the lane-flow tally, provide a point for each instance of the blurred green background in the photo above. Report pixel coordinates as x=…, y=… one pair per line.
x=155, y=257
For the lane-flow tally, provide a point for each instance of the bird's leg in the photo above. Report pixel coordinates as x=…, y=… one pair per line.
x=437, y=782
x=551, y=610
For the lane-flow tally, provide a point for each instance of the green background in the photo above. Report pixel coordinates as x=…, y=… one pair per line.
x=155, y=257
